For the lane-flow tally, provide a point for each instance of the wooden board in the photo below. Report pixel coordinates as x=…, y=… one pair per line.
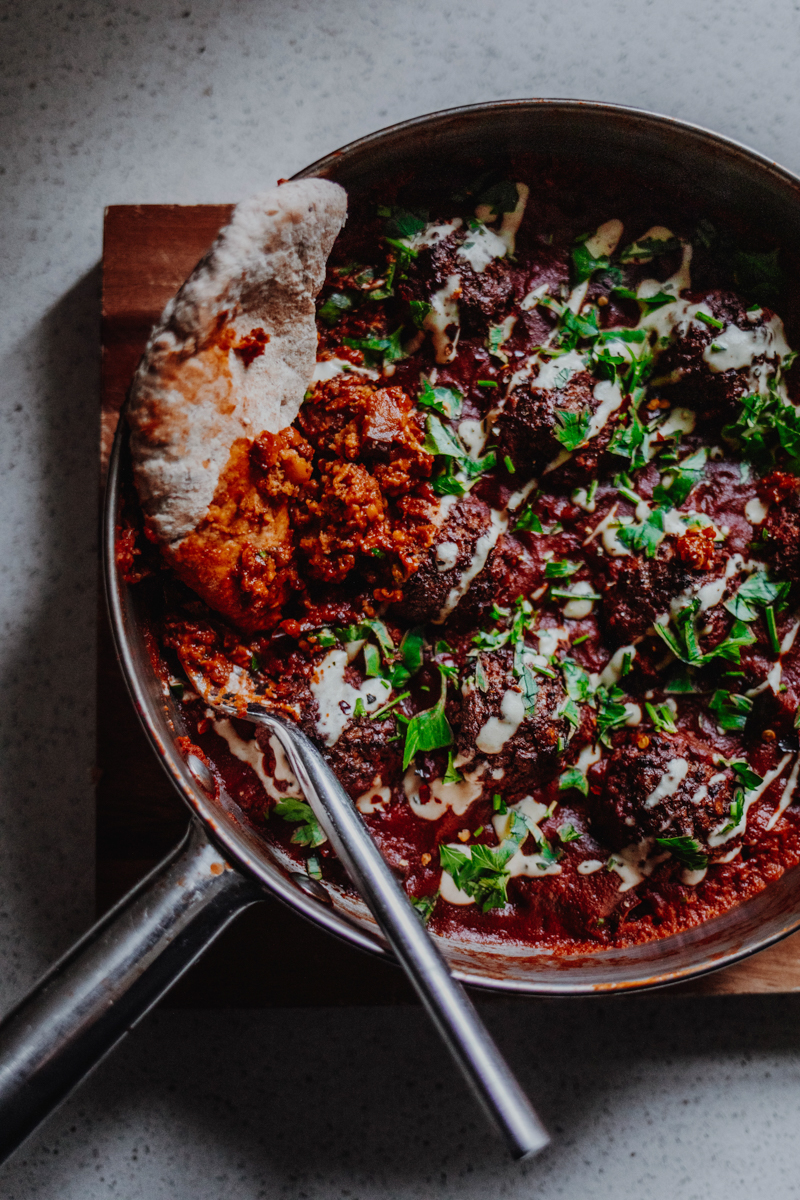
x=269, y=956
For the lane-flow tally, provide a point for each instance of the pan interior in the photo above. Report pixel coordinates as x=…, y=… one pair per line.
x=723, y=177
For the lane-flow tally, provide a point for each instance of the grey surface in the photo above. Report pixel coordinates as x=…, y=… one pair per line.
x=105, y=103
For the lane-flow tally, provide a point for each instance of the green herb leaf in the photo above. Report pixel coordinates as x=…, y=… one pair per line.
x=756, y=592
x=430, y=729
x=647, y=249
x=482, y=874
x=309, y=832
x=577, y=683
x=572, y=428
x=730, y=710
x=748, y=778
x=560, y=568
x=707, y=319
x=568, y=833
x=387, y=349
x=443, y=400
x=611, y=713
x=680, y=480
x=646, y=537
x=529, y=521
x=686, y=850
x=451, y=775
x=501, y=197
x=585, y=264
x=440, y=440
x=661, y=717
x=334, y=307
x=372, y=660
x=419, y=311
x=425, y=905
x=573, y=778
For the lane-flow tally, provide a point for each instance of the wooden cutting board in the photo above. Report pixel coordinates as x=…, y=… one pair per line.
x=269, y=956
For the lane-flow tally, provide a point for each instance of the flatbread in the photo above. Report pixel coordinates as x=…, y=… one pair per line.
x=234, y=352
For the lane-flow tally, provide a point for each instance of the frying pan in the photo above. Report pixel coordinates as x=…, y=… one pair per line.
x=118, y=971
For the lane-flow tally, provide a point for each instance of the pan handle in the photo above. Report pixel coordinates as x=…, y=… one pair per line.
x=89, y=1000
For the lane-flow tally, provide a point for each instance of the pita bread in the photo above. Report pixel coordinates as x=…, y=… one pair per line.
x=233, y=354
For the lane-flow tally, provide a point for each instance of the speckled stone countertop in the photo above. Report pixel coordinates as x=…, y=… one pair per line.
x=193, y=101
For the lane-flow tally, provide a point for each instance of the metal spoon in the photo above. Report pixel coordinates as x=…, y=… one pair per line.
x=447, y=1003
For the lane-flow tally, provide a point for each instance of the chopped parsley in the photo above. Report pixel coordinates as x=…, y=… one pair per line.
x=686, y=850
x=309, y=831
x=584, y=263
x=568, y=833
x=707, y=319
x=661, y=717
x=573, y=778
x=572, y=428
x=730, y=710
x=419, y=311
x=425, y=905
x=682, y=640
x=379, y=349
x=335, y=306
x=482, y=874
x=446, y=401
x=560, y=569
x=428, y=730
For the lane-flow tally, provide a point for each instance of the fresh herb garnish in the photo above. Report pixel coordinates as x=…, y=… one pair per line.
x=572, y=428
x=446, y=401
x=584, y=263
x=678, y=482
x=482, y=873
x=419, y=311
x=568, y=833
x=573, y=778
x=707, y=319
x=379, y=349
x=428, y=730
x=335, y=306
x=730, y=710
x=646, y=537
x=661, y=717
x=686, y=850
x=560, y=568
x=308, y=832
x=425, y=905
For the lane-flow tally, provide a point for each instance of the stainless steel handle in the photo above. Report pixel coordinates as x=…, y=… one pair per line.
x=98, y=991
x=446, y=1001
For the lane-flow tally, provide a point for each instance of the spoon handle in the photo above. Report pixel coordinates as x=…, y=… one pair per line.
x=446, y=1001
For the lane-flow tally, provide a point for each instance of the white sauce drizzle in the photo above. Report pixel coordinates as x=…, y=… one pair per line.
x=444, y=796
x=483, y=547
x=786, y=794
x=473, y=434
x=756, y=510
x=612, y=671
x=590, y=865
x=329, y=368
x=577, y=608
x=671, y=780
x=740, y=346
x=446, y=556
x=494, y=734
x=719, y=836
x=331, y=690
x=481, y=247
x=442, y=317
x=374, y=799
x=432, y=234
x=509, y=226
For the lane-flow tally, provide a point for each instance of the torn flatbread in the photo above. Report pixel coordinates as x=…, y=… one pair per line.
x=233, y=354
